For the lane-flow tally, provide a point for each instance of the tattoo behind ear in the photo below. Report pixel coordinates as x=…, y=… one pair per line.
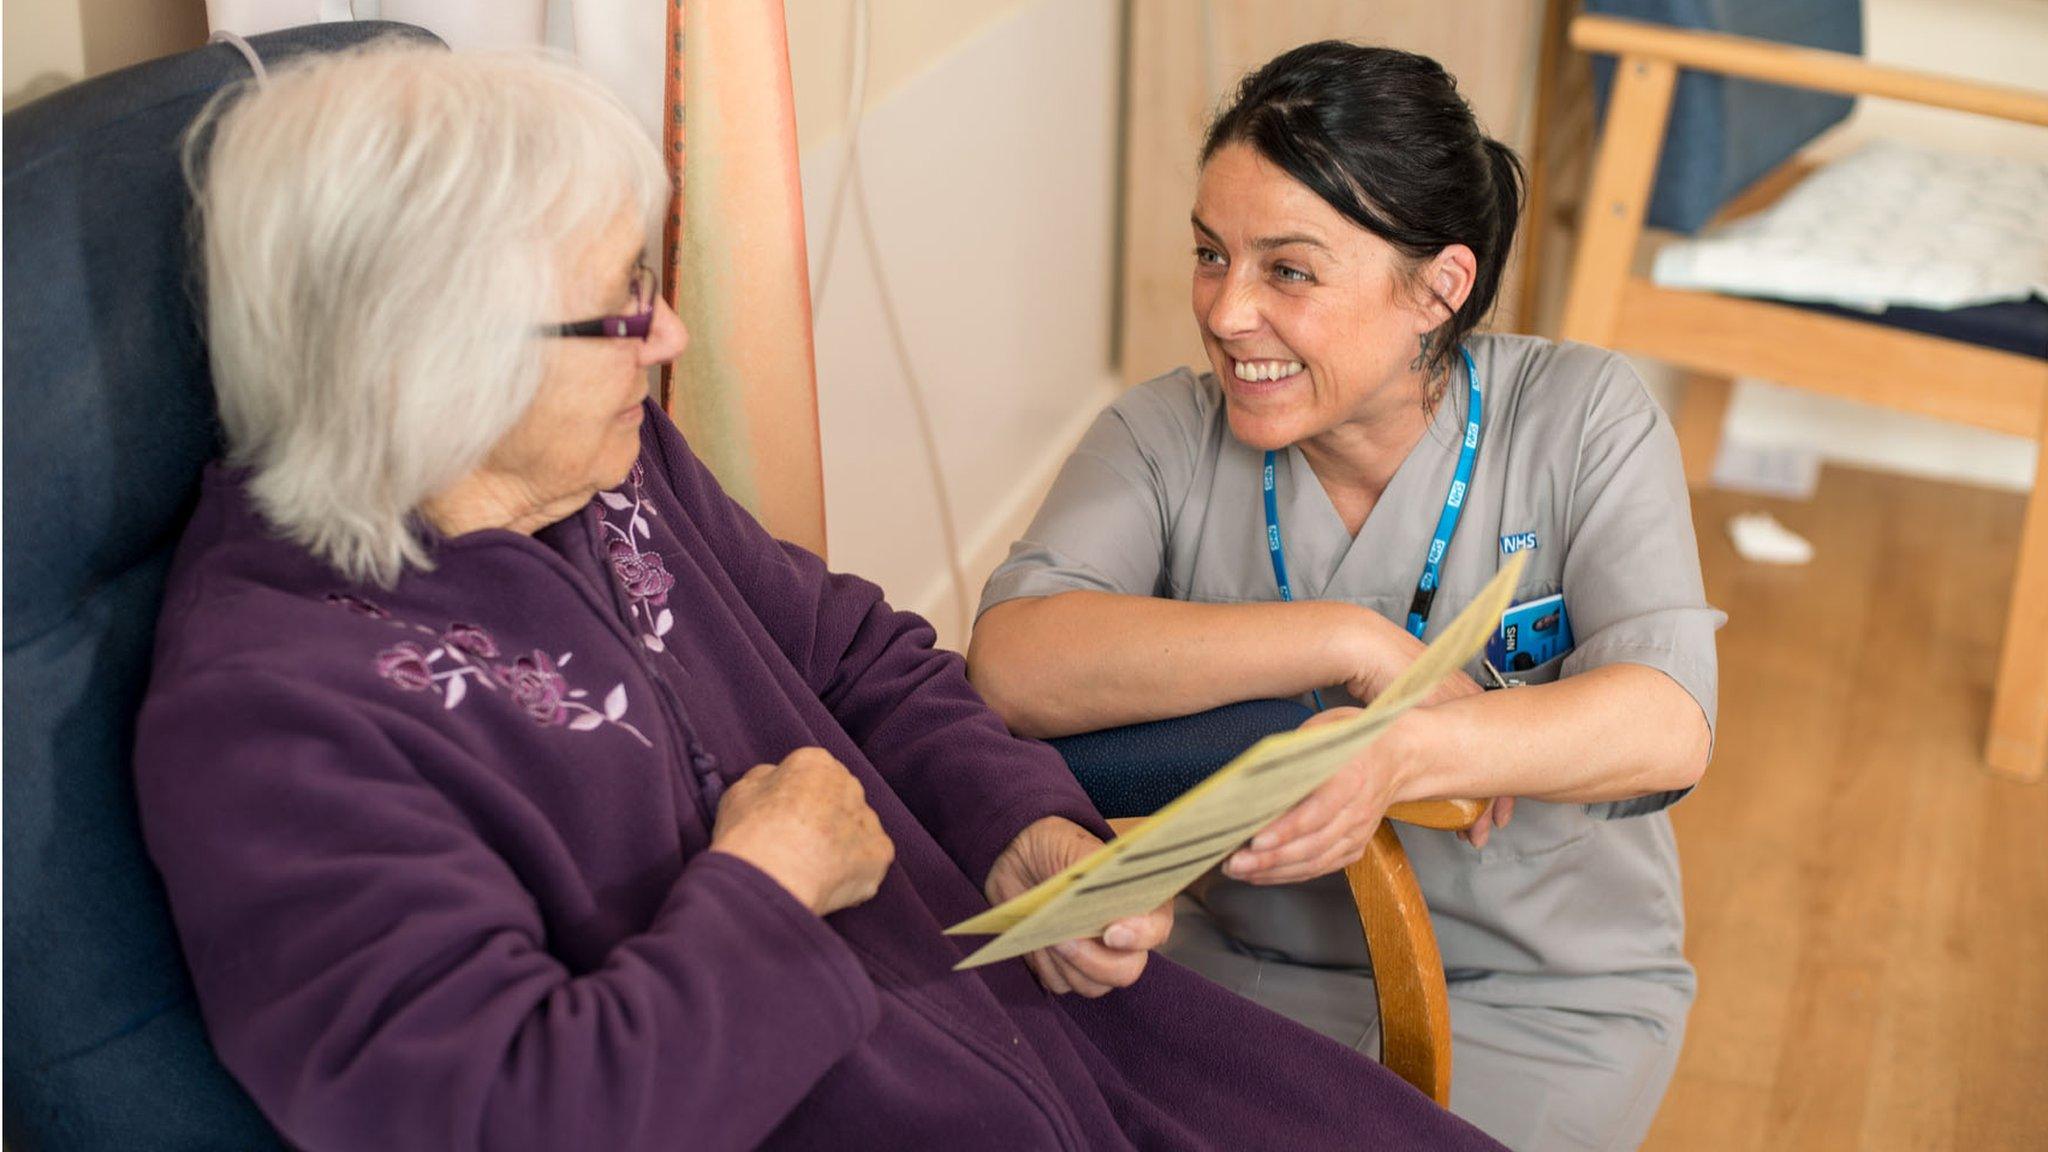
x=1421, y=356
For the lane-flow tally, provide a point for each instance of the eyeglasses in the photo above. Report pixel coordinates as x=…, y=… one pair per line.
x=637, y=323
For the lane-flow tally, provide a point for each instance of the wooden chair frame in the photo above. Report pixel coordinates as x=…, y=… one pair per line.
x=1408, y=971
x=1716, y=338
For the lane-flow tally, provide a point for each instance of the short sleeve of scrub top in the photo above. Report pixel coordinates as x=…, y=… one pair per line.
x=1631, y=569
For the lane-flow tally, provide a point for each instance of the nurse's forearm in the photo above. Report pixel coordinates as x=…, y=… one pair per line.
x=1614, y=732
x=1082, y=661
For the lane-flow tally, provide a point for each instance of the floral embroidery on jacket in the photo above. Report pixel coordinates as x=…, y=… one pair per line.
x=641, y=572
x=451, y=660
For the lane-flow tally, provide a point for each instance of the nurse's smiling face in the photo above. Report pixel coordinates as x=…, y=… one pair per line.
x=1311, y=322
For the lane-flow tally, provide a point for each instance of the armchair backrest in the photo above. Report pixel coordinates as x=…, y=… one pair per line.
x=1726, y=133
x=109, y=418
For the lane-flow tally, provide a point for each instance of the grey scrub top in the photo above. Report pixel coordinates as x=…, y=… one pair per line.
x=1161, y=500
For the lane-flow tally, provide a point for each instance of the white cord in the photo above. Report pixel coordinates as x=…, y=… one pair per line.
x=853, y=173
x=948, y=534
x=223, y=36
x=856, y=107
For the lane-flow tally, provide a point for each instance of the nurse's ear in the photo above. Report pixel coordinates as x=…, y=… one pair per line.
x=1447, y=279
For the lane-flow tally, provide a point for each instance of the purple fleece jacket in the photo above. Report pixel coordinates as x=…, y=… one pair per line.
x=437, y=858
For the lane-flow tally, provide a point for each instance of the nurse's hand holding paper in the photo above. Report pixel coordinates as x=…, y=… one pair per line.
x=1355, y=465
x=1332, y=827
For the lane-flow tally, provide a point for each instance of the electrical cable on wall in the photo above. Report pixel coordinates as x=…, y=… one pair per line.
x=851, y=176
x=856, y=107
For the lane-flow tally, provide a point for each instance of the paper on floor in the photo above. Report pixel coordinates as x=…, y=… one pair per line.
x=1761, y=539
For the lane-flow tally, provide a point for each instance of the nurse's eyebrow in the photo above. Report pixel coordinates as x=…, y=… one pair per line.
x=1268, y=243
x=1263, y=243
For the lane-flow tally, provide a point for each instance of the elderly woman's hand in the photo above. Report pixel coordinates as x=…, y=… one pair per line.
x=1331, y=827
x=1090, y=967
x=807, y=824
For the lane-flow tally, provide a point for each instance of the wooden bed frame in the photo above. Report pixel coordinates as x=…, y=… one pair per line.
x=1717, y=338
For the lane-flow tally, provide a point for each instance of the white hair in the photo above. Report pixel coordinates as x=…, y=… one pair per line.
x=382, y=231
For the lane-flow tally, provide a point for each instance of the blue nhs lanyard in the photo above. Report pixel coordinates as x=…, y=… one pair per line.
x=1446, y=524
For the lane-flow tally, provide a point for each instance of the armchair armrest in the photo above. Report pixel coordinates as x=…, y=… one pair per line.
x=1797, y=67
x=1132, y=771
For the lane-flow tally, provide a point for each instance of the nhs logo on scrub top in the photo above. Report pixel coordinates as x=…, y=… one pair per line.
x=1517, y=542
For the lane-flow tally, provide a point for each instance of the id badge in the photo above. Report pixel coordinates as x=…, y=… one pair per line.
x=1531, y=633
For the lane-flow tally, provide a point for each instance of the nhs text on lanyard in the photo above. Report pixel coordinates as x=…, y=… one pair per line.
x=1446, y=524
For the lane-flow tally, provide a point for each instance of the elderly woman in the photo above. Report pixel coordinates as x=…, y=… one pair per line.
x=1356, y=468
x=514, y=789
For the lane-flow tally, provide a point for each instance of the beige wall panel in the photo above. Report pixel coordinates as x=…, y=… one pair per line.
x=907, y=37
x=51, y=43
x=1185, y=57
x=43, y=46
x=123, y=32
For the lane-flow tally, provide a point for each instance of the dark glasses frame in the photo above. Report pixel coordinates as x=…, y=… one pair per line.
x=635, y=324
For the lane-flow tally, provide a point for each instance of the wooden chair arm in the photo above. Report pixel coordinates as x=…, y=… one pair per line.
x=1798, y=67
x=1445, y=815
x=1408, y=971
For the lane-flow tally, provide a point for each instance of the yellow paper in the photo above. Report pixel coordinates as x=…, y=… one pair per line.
x=1148, y=866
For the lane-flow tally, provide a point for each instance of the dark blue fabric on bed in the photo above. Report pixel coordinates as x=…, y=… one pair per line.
x=2017, y=326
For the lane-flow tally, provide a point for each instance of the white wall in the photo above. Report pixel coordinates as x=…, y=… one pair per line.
x=991, y=174
x=2004, y=41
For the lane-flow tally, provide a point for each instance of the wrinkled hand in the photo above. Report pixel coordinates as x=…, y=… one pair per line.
x=807, y=824
x=1384, y=650
x=1332, y=826
x=1090, y=967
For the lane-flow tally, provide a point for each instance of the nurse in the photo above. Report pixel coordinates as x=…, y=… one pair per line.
x=1297, y=522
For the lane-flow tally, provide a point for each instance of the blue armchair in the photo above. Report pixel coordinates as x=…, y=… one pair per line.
x=109, y=418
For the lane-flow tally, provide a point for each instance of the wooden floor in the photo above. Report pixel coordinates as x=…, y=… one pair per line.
x=1868, y=909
